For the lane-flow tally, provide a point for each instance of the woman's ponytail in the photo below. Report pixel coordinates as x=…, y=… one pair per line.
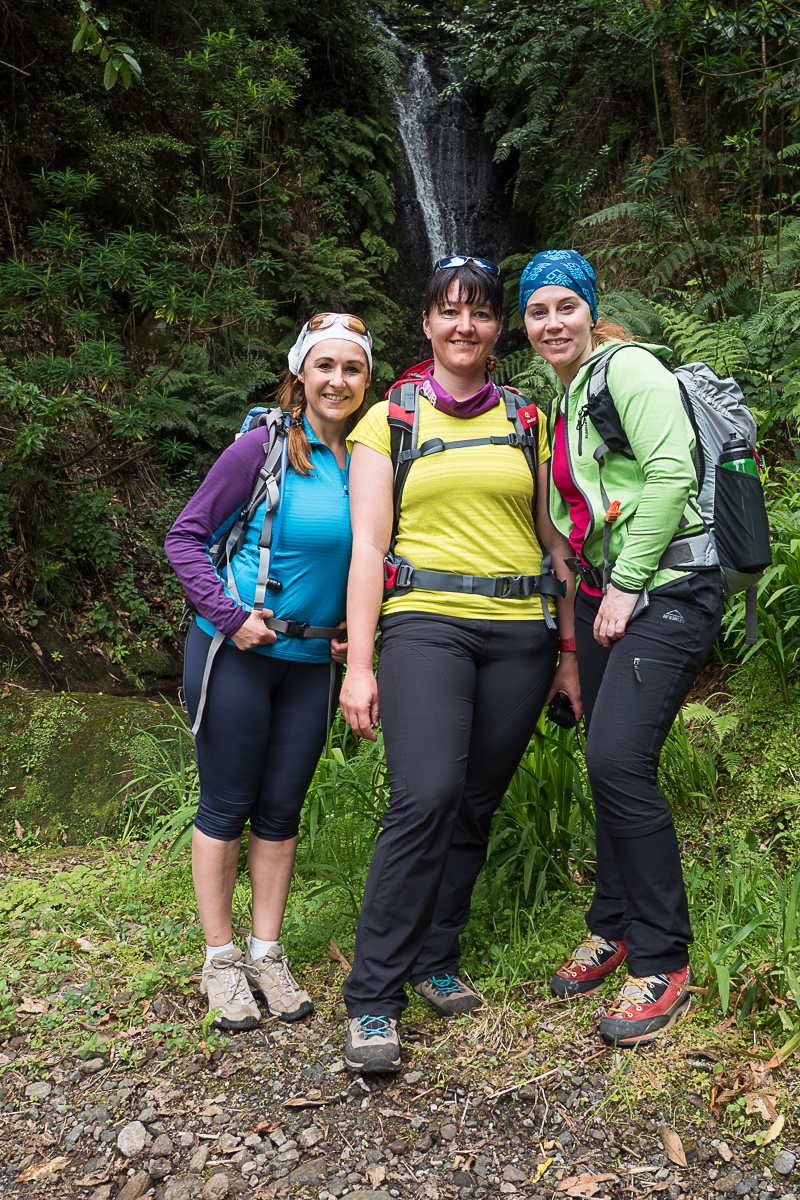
x=608, y=331
x=491, y=362
x=292, y=398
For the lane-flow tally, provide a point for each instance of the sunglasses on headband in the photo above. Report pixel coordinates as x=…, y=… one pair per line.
x=325, y=320
x=461, y=260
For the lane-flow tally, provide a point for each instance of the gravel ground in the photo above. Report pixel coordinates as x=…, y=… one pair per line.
x=483, y=1108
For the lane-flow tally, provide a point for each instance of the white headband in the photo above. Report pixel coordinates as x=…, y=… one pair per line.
x=337, y=329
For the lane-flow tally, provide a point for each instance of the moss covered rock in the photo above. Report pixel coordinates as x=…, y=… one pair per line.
x=83, y=766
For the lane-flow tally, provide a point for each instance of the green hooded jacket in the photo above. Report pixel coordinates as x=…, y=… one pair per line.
x=654, y=489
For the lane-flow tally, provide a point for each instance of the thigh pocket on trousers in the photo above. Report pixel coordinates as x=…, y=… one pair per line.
x=649, y=692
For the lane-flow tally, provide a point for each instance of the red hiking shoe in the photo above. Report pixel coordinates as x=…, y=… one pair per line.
x=647, y=1007
x=587, y=967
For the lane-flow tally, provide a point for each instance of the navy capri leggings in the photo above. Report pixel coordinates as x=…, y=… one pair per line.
x=260, y=740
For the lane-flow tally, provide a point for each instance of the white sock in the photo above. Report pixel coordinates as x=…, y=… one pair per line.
x=212, y=951
x=258, y=948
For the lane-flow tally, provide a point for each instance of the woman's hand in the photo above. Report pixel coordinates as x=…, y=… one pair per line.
x=359, y=702
x=254, y=632
x=339, y=649
x=566, y=680
x=613, y=615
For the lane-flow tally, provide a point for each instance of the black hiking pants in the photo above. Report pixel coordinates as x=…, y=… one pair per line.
x=631, y=695
x=459, y=702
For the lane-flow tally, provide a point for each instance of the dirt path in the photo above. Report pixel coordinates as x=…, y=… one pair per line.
x=519, y=1102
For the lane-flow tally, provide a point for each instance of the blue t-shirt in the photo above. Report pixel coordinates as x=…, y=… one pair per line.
x=310, y=555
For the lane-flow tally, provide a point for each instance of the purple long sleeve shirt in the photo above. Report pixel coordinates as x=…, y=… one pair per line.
x=223, y=492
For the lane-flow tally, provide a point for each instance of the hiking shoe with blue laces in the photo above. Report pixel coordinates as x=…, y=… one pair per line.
x=647, y=1007
x=372, y=1044
x=447, y=995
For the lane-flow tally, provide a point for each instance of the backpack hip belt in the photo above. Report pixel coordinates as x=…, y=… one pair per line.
x=301, y=629
x=400, y=575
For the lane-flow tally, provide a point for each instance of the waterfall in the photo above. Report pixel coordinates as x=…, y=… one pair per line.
x=450, y=164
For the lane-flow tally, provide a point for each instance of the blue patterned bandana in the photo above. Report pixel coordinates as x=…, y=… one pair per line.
x=564, y=268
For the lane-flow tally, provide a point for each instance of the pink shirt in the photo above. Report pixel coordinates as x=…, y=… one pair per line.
x=579, y=513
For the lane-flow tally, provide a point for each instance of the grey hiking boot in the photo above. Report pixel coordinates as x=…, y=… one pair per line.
x=448, y=995
x=271, y=977
x=225, y=985
x=372, y=1044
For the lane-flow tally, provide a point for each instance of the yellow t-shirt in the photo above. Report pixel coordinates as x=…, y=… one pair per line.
x=465, y=511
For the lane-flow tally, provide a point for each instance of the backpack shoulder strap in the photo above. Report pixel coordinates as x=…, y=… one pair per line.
x=524, y=416
x=403, y=421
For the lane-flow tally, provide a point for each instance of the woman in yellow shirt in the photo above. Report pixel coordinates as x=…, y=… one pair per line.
x=468, y=651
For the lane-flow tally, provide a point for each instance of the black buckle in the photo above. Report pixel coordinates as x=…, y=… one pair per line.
x=296, y=629
x=403, y=577
x=508, y=586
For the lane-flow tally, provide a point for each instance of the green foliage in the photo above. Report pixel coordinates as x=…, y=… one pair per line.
x=92, y=36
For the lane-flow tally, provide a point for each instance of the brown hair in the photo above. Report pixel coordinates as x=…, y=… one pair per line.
x=475, y=286
x=608, y=331
x=291, y=397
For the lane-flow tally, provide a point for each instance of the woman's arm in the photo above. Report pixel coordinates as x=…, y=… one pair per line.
x=223, y=492
x=566, y=676
x=371, y=520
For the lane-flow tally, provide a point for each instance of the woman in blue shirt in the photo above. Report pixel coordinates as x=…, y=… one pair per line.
x=263, y=718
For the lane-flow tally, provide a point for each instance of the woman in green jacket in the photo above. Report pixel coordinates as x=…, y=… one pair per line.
x=643, y=628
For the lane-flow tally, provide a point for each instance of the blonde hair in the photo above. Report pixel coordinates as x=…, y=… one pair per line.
x=291, y=397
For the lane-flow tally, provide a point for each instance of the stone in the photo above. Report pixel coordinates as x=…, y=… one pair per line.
x=286, y=1156
x=369, y=1194
x=564, y=1138
x=412, y=1077
x=227, y=1141
x=398, y=1146
x=182, y=1189
x=449, y=1132
x=162, y=1147
x=198, y=1160
x=186, y=1139
x=159, y=1167
x=528, y=1091
x=424, y=1143
x=785, y=1162
x=311, y=1172
x=729, y=1182
x=278, y=1137
x=101, y=1193
x=253, y=1140
x=217, y=1187
x=131, y=1139
x=136, y=1186
x=38, y=1091
x=512, y=1174
x=309, y=1137
x=723, y=1150
x=674, y=1191
x=92, y=1066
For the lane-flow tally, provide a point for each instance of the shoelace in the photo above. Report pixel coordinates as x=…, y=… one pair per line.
x=232, y=976
x=446, y=984
x=636, y=991
x=590, y=949
x=370, y=1027
x=284, y=965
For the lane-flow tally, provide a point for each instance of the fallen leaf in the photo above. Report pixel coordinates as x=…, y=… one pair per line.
x=762, y=1105
x=542, y=1167
x=84, y=943
x=376, y=1174
x=42, y=1170
x=673, y=1146
x=30, y=1005
x=334, y=954
x=772, y=1132
x=94, y=1178
x=582, y=1185
x=395, y=1112
x=305, y=1102
x=229, y=1067
x=19, y=829
x=781, y=1055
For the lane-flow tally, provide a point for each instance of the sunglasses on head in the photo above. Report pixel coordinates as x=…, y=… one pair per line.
x=325, y=320
x=461, y=260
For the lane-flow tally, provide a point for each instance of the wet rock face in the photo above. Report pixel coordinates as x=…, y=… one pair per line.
x=66, y=759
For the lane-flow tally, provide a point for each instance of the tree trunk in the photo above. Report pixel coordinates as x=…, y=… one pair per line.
x=680, y=117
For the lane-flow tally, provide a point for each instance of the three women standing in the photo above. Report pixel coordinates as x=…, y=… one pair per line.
x=643, y=628
x=468, y=649
x=266, y=696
